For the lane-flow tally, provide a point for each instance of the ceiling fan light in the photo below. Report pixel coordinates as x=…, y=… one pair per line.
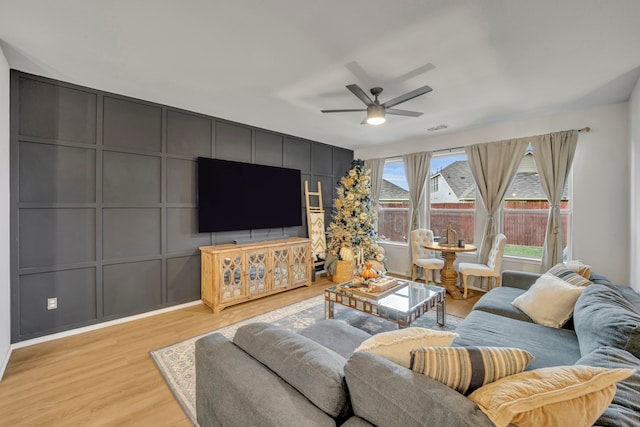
x=376, y=120
x=375, y=115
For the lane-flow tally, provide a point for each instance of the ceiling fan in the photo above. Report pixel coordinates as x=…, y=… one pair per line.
x=375, y=110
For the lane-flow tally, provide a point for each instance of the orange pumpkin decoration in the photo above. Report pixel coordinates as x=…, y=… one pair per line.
x=368, y=272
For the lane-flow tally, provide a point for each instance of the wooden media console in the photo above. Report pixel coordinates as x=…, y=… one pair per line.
x=235, y=273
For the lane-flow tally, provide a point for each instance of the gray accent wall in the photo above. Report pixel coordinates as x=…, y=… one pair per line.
x=104, y=200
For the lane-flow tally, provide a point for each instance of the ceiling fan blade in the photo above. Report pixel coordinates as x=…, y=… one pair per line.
x=342, y=111
x=407, y=96
x=361, y=75
x=403, y=112
x=357, y=91
x=413, y=73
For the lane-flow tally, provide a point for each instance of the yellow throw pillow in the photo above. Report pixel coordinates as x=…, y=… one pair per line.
x=549, y=301
x=578, y=267
x=557, y=396
x=464, y=369
x=397, y=345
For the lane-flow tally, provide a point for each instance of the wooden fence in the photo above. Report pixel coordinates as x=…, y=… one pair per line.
x=525, y=222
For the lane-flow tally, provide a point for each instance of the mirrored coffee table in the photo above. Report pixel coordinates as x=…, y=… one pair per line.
x=401, y=304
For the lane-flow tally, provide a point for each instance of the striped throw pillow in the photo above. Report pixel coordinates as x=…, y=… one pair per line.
x=560, y=270
x=467, y=368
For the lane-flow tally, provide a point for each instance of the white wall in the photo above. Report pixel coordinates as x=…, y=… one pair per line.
x=5, y=295
x=601, y=182
x=634, y=136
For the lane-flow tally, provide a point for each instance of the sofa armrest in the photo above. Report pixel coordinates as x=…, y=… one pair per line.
x=232, y=388
x=518, y=279
x=384, y=393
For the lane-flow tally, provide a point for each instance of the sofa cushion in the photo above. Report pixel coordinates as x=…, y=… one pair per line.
x=387, y=394
x=624, y=411
x=560, y=270
x=396, y=345
x=604, y=317
x=549, y=301
x=226, y=392
x=315, y=371
x=518, y=279
x=357, y=422
x=336, y=335
x=630, y=295
x=498, y=301
x=600, y=279
x=464, y=369
x=555, y=396
x=549, y=346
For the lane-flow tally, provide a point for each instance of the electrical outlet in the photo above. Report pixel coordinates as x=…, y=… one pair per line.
x=52, y=303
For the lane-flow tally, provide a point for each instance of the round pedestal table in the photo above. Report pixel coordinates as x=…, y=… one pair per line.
x=448, y=274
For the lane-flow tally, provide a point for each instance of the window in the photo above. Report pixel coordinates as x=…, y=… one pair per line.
x=526, y=212
x=453, y=201
x=393, y=211
x=453, y=196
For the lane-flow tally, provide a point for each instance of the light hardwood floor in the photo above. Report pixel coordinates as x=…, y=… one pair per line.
x=106, y=377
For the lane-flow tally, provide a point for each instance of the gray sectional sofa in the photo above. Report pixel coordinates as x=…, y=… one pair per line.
x=269, y=376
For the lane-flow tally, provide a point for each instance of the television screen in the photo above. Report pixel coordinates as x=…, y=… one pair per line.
x=243, y=196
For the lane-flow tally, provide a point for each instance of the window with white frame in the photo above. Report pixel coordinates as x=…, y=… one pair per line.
x=453, y=196
x=526, y=210
x=393, y=208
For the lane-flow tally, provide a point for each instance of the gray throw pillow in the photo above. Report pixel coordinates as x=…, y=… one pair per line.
x=625, y=409
x=314, y=370
x=604, y=317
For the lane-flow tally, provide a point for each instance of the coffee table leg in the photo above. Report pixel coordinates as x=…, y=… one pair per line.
x=441, y=314
x=328, y=309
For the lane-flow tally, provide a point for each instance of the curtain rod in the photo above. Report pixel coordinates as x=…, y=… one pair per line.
x=585, y=129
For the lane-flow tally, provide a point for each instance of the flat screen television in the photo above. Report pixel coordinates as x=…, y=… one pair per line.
x=244, y=196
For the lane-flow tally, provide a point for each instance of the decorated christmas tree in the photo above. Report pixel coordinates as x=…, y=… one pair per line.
x=351, y=232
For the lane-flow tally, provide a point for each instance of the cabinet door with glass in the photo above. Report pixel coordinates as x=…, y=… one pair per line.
x=280, y=272
x=230, y=277
x=300, y=268
x=257, y=268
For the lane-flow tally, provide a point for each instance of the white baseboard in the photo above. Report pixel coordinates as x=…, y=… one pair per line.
x=77, y=331
x=5, y=362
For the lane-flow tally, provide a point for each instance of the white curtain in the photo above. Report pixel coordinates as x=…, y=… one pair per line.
x=553, y=154
x=377, y=170
x=493, y=166
x=416, y=168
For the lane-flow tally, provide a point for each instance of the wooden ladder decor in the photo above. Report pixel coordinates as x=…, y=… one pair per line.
x=315, y=226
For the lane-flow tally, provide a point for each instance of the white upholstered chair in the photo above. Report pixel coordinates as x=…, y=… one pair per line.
x=491, y=269
x=423, y=257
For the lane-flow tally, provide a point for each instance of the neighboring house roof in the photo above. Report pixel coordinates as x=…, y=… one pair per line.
x=390, y=191
x=458, y=176
x=525, y=186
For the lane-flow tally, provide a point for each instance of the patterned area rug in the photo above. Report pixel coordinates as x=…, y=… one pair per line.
x=177, y=362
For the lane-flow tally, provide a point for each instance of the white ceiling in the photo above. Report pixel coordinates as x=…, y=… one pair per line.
x=275, y=64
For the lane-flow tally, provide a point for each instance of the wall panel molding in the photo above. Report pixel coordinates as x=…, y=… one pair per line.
x=104, y=200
